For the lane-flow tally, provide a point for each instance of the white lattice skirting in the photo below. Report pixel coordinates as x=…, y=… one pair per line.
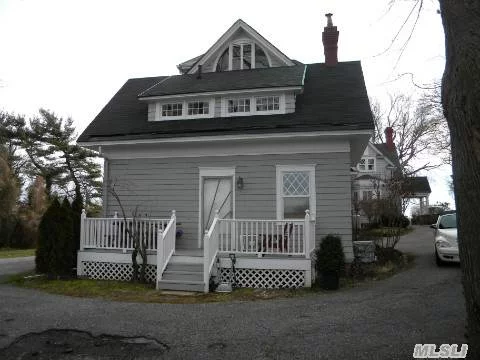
x=115, y=271
x=265, y=278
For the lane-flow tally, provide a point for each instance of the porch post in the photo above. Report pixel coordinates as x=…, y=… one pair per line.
x=83, y=218
x=306, y=235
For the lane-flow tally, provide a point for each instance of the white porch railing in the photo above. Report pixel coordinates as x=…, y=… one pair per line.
x=166, y=245
x=210, y=250
x=285, y=237
x=111, y=233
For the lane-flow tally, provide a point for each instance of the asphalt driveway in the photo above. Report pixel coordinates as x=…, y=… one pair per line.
x=382, y=320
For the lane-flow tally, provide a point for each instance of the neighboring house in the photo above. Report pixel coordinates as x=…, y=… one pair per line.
x=251, y=149
x=371, y=176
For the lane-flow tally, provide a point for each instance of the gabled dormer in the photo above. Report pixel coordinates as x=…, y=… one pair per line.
x=240, y=48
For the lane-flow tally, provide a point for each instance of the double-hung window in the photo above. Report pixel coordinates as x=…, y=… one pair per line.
x=295, y=191
x=366, y=164
x=253, y=105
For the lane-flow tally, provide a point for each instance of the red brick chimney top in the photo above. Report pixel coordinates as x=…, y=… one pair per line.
x=330, y=42
x=389, y=138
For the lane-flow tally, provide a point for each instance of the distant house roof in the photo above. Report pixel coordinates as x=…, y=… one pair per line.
x=391, y=155
x=416, y=185
x=333, y=98
x=284, y=76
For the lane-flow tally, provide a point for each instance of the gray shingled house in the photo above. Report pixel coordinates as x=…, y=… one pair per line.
x=246, y=155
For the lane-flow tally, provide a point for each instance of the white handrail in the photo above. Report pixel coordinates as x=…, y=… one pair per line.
x=112, y=234
x=166, y=245
x=210, y=251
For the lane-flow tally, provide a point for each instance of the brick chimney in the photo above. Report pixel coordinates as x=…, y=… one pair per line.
x=330, y=42
x=389, y=138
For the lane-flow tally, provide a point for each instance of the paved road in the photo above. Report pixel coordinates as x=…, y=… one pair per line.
x=16, y=265
x=380, y=320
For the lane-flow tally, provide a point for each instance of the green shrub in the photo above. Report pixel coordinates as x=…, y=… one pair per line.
x=47, y=232
x=330, y=256
x=55, y=244
x=23, y=237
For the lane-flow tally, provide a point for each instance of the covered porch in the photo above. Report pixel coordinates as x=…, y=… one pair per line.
x=251, y=252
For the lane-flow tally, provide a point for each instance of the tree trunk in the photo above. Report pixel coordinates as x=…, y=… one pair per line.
x=461, y=103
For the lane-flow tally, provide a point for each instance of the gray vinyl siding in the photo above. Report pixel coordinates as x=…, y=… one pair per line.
x=157, y=186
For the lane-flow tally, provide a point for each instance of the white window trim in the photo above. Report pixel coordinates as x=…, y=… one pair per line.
x=366, y=164
x=253, y=105
x=240, y=42
x=158, y=109
x=280, y=169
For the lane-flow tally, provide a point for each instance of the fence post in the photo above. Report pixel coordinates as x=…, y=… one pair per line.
x=82, y=229
x=206, y=256
x=306, y=235
x=174, y=218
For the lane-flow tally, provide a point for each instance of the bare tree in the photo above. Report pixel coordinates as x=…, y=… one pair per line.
x=132, y=229
x=418, y=132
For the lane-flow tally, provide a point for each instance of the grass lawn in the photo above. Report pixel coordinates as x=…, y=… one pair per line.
x=144, y=293
x=7, y=253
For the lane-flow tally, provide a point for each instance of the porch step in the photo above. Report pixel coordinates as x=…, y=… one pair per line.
x=182, y=275
x=183, y=285
x=186, y=259
x=185, y=276
x=180, y=266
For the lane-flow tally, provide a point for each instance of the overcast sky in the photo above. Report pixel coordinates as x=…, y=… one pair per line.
x=72, y=56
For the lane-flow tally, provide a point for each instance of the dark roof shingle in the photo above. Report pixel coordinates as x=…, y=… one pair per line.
x=284, y=76
x=334, y=98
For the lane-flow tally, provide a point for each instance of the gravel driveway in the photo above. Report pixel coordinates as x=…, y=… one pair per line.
x=379, y=320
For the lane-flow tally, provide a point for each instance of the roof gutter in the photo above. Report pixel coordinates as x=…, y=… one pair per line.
x=229, y=138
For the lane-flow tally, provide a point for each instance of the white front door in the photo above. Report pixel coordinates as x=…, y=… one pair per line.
x=217, y=194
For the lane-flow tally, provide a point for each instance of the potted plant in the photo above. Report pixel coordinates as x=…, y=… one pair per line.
x=330, y=261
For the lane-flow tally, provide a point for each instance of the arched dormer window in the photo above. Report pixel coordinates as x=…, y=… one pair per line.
x=242, y=55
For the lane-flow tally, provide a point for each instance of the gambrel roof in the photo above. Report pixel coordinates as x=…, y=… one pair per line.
x=333, y=98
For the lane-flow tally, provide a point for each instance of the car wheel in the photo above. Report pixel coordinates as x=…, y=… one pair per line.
x=438, y=261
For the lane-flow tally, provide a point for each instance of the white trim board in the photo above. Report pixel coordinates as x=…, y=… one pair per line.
x=226, y=92
x=229, y=137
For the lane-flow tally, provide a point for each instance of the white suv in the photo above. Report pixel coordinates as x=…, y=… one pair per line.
x=445, y=238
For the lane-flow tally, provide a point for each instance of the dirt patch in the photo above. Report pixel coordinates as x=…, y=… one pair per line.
x=73, y=344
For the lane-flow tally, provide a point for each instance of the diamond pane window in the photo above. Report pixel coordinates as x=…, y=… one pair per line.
x=296, y=183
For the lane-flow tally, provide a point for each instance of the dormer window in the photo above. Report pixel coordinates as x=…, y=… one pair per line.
x=172, y=109
x=242, y=55
x=198, y=108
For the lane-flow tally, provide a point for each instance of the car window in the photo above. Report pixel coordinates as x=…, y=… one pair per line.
x=448, y=221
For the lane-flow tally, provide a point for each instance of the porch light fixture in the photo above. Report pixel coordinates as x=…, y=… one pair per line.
x=240, y=183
